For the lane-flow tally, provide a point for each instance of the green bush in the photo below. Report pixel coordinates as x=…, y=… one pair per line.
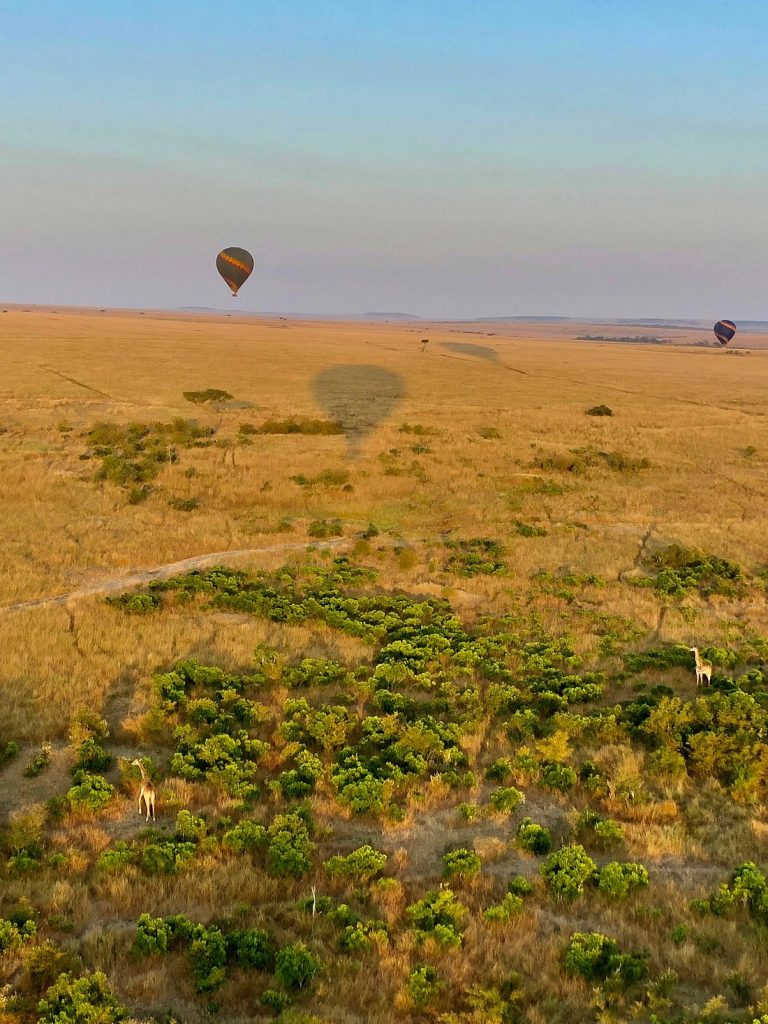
x=477, y=557
x=519, y=885
x=505, y=799
x=504, y=911
x=461, y=864
x=301, y=425
x=423, y=986
x=153, y=935
x=165, y=856
x=39, y=762
x=252, y=948
x=438, y=915
x=275, y=1001
x=189, y=828
x=8, y=752
x=289, y=850
x=676, y=571
x=86, y=1000
x=558, y=776
x=208, y=956
x=207, y=397
x=567, y=871
x=246, y=837
x=322, y=528
x=594, y=957
x=363, y=864
x=467, y=811
x=90, y=792
x=183, y=504
x=92, y=757
x=296, y=966
x=534, y=838
x=14, y=934
x=603, y=832
x=618, y=880
x=599, y=410
x=529, y=529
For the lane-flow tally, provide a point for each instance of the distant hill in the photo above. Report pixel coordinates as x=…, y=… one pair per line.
x=391, y=316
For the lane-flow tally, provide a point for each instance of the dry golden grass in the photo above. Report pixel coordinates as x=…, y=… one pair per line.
x=692, y=413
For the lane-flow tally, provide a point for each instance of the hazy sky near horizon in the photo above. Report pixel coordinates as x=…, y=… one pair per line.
x=443, y=158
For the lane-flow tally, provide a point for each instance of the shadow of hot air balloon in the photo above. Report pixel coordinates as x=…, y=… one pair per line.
x=467, y=348
x=359, y=397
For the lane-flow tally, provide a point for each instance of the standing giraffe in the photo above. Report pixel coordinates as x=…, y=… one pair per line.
x=703, y=668
x=147, y=791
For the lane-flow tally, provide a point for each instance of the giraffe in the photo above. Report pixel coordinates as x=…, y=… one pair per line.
x=147, y=791
x=703, y=668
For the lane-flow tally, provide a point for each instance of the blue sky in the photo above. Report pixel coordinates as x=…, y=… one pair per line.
x=590, y=157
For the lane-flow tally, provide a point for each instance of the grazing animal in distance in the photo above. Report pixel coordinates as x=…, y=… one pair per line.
x=147, y=790
x=703, y=668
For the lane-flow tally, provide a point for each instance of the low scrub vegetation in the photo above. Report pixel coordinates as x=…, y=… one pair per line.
x=300, y=425
x=307, y=780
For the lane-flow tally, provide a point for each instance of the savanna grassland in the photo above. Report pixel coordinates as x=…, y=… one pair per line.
x=417, y=703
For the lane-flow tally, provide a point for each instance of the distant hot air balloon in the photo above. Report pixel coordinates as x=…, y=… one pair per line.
x=724, y=331
x=235, y=266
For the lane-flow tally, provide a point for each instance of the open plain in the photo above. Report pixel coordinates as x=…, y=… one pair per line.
x=568, y=561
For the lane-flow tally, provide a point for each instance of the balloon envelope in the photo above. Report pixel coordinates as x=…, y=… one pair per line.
x=235, y=266
x=724, y=331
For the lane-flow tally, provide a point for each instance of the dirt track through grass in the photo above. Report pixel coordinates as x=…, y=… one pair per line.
x=164, y=572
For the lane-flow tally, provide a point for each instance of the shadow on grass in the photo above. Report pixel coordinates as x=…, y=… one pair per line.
x=359, y=397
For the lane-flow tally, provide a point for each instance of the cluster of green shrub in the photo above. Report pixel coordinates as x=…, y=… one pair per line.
x=207, y=397
x=570, y=870
x=132, y=456
x=358, y=932
x=326, y=478
x=212, y=950
x=476, y=557
x=300, y=425
x=15, y=931
x=158, y=854
x=529, y=529
x=39, y=761
x=438, y=916
x=8, y=751
x=675, y=571
x=90, y=791
x=747, y=888
x=579, y=460
x=595, y=957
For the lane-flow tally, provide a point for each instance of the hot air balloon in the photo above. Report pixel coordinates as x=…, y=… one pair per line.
x=724, y=331
x=235, y=266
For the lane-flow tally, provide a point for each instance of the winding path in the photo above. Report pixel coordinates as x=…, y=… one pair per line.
x=164, y=572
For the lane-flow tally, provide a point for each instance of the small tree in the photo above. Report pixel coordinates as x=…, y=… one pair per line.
x=461, y=864
x=290, y=848
x=506, y=799
x=567, y=871
x=618, y=880
x=534, y=838
x=296, y=966
x=86, y=1000
x=363, y=864
x=423, y=986
x=438, y=915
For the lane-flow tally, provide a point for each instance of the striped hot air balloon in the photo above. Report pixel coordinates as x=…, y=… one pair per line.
x=724, y=331
x=235, y=266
